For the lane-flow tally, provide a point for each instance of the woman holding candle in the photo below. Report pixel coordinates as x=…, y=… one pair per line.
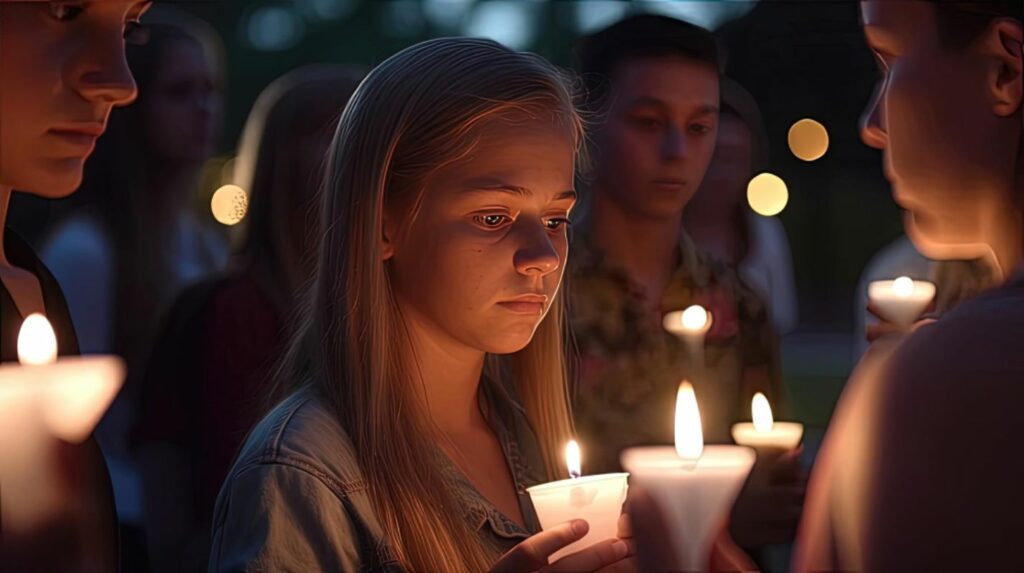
x=428, y=384
x=63, y=70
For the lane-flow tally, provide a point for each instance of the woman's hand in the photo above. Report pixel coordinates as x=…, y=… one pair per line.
x=609, y=556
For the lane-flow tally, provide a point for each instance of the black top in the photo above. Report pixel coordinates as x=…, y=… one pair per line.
x=84, y=537
x=21, y=255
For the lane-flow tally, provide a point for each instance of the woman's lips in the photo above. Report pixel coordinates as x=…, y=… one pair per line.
x=523, y=307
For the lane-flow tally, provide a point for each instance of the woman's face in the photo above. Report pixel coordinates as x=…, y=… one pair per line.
x=947, y=147
x=183, y=105
x=62, y=69
x=480, y=264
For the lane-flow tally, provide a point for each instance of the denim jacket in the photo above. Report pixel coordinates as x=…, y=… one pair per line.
x=295, y=499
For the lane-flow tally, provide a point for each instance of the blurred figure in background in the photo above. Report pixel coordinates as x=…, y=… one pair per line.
x=722, y=224
x=221, y=338
x=129, y=241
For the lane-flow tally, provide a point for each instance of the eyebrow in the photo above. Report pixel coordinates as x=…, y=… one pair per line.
x=491, y=186
x=648, y=100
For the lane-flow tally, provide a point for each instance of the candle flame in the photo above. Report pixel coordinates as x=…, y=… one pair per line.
x=37, y=344
x=572, y=459
x=695, y=317
x=761, y=411
x=903, y=287
x=689, y=435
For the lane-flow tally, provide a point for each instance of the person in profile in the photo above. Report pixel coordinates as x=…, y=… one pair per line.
x=919, y=470
x=63, y=69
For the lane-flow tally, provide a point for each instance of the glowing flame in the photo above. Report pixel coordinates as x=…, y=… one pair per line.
x=572, y=459
x=762, y=413
x=695, y=318
x=903, y=287
x=689, y=435
x=37, y=344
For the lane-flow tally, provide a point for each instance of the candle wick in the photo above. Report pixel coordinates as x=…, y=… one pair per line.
x=574, y=475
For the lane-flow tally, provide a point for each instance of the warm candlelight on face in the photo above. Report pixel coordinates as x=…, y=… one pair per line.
x=764, y=431
x=689, y=434
x=902, y=300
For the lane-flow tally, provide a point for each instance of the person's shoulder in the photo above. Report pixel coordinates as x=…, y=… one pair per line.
x=302, y=433
x=976, y=344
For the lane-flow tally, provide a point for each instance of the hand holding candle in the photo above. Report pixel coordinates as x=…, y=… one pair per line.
x=901, y=301
x=595, y=499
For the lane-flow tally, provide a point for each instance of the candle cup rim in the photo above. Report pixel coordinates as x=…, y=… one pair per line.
x=711, y=452
x=793, y=431
x=586, y=479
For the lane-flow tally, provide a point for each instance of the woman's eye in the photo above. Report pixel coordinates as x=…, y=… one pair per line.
x=699, y=129
x=491, y=221
x=556, y=223
x=65, y=11
x=647, y=122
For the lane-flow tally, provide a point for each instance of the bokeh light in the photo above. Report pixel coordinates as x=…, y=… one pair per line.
x=229, y=204
x=808, y=139
x=767, y=194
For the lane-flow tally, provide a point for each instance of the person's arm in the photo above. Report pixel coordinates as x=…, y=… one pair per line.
x=276, y=517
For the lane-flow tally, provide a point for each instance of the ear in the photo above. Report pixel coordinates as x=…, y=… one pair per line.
x=1004, y=45
x=387, y=237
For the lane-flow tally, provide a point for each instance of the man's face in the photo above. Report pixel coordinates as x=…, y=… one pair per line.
x=945, y=147
x=656, y=142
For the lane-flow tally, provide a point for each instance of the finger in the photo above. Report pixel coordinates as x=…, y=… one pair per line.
x=532, y=554
x=627, y=565
x=594, y=557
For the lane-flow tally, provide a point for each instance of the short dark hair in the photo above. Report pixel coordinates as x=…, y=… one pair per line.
x=643, y=35
x=960, y=22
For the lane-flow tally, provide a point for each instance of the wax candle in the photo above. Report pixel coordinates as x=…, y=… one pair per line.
x=42, y=398
x=901, y=301
x=694, y=484
x=597, y=499
x=691, y=325
x=764, y=431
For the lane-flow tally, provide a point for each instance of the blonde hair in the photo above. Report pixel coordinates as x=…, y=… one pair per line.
x=412, y=114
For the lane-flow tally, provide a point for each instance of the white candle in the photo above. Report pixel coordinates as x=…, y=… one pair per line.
x=764, y=431
x=694, y=484
x=901, y=301
x=691, y=325
x=596, y=499
x=42, y=398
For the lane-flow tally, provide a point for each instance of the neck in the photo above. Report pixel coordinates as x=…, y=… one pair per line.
x=715, y=231
x=1006, y=227
x=5, y=200
x=646, y=248
x=450, y=374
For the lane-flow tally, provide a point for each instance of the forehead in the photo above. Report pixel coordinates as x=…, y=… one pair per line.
x=671, y=78
x=520, y=148
x=906, y=20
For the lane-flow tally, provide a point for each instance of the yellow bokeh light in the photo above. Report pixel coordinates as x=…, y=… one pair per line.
x=808, y=139
x=229, y=204
x=767, y=194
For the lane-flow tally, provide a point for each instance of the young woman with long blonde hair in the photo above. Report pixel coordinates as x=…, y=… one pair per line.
x=429, y=371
